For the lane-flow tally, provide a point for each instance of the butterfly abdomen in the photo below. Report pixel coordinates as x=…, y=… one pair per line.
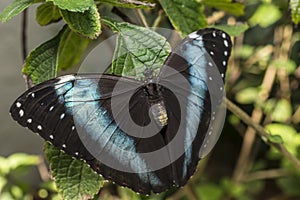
x=159, y=113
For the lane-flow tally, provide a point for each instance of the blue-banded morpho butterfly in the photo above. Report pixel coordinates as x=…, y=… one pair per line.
x=146, y=135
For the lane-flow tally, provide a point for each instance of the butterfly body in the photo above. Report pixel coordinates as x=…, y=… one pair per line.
x=146, y=135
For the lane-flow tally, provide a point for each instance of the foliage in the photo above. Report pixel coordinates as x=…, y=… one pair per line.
x=14, y=179
x=263, y=79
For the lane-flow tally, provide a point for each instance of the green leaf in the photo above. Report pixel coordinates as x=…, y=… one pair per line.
x=47, y=13
x=74, y=179
x=244, y=51
x=290, y=185
x=185, y=16
x=17, y=160
x=74, y=5
x=235, y=30
x=71, y=48
x=288, y=65
x=3, y=183
x=129, y=4
x=136, y=48
x=209, y=191
x=86, y=23
x=16, y=7
x=126, y=193
x=275, y=139
x=266, y=15
x=295, y=7
x=247, y=95
x=233, y=189
x=41, y=64
x=234, y=8
x=290, y=137
x=282, y=111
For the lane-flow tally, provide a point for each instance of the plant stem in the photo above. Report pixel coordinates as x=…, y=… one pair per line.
x=158, y=19
x=244, y=162
x=24, y=34
x=142, y=17
x=262, y=133
x=27, y=79
x=266, y=174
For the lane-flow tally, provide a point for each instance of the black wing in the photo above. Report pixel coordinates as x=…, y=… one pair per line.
x=195, y=72
x=87, y=116
x=76, y=113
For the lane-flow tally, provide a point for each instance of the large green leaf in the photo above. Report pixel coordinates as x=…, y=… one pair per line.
x=129, y=4
x=74, y=178
x=41, y=64
x=16, y=7
x=136, y=48
x=73, y=5
x=47, y=13
x=86, y=23
x=295, y=7
x=71, y=48
x=226, y=5
x=185, y=16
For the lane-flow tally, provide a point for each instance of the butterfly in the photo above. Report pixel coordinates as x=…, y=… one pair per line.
x=147, y=134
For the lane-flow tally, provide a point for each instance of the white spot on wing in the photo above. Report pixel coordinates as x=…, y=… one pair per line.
x=32, y=95
x=64, y=146
x=51, y=137
x=29, y=120
x=225, y=43
x=193, y=35
x=224, y=35
x=39, y=127
x=62, y=116
x=51, y=108
x=214, y=34
x=211, y=53
x=21, y=113
x=225, y=53
x=18, y=104
x=224, y=63
x=66, y=78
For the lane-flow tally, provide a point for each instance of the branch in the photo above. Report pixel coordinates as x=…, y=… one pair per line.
x=28, y=80
x=262, y=133
x=266, y=174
